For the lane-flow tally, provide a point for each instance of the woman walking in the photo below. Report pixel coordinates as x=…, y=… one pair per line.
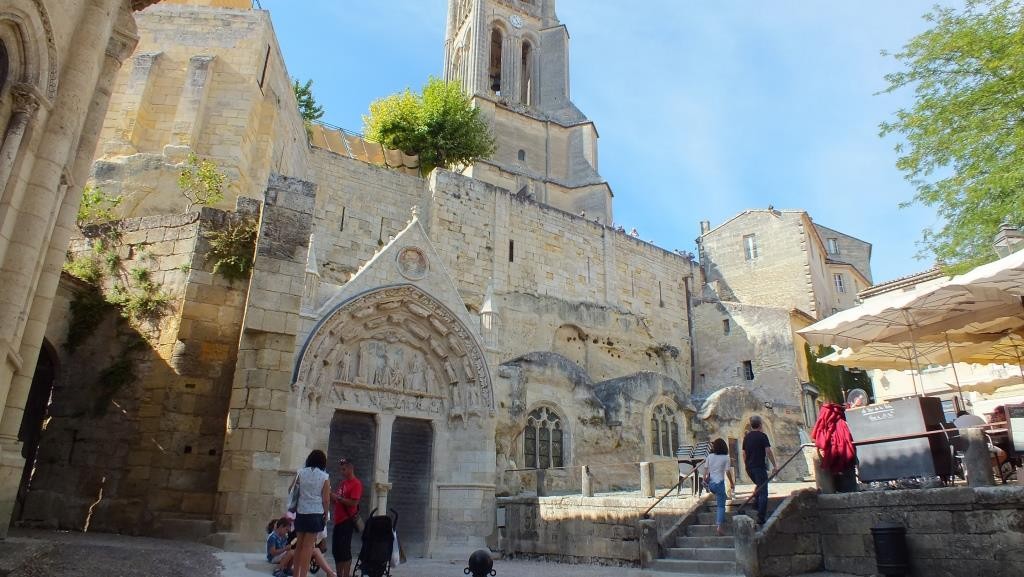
x=715, y=473
x=311, y=513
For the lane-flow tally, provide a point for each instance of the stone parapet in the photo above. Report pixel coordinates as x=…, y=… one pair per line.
x=950, y=532
x=576, y=529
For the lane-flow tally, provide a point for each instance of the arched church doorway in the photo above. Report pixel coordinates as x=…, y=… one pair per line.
x=396, y=371
x=410, y=473
x=36, y=407
x=354, y=437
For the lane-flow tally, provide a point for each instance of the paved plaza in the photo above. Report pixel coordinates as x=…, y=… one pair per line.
x=31, y=553
x=62, y=554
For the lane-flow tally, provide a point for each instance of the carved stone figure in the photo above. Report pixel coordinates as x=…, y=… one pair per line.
x=417, y=377
x=380, y=369
x=396, y=378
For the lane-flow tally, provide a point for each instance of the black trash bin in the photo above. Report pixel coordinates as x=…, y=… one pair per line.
x=891, y=552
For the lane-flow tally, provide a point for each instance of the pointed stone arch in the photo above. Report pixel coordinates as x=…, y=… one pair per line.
x=396, y=347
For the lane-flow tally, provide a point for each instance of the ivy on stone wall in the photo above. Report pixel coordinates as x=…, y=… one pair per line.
x=833, y=382
x=232, y=249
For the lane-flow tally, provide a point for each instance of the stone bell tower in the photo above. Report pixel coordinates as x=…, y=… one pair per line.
x=512, y=57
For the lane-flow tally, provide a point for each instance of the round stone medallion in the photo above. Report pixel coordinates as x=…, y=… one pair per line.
x=412, y=263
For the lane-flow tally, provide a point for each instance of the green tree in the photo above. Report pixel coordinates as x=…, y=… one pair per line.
x=833, y=382
x=200, y=182
x=963, y=135
x=97, y=206
x=308, y=108
x=440, y=125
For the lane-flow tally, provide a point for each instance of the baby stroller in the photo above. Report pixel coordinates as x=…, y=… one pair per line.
x=378, y=543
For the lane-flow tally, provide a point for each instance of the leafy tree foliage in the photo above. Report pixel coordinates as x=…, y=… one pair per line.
x=439, y=124
x=963, y=135
x=97, y=207
x=833, y=382
x=200, y=182
x=308, y=108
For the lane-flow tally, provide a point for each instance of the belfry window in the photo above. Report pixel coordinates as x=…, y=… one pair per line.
x=664, y=431
x=526, y=75
x=543, y=440
x=4, y=65
x=494, y=70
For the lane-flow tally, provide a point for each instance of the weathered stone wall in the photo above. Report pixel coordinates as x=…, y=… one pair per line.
x=762, y=335
x=64, y=56
x=151, y=443
x=359, y=207
x=778, y=276
x=576, y=529
x=220, y=90
x=950, y=532
x=851, y=249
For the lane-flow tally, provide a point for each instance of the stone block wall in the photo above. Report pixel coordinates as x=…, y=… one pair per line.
x=262, y=402
x=219, y=89
x=780, y=276
x=762, y=335
x=152, y=445
x=950, y=532
x=578, y=529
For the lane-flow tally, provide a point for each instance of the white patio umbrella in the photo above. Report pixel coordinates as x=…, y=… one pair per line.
x=1005, y=275
x=904, y=356
x=908, y=316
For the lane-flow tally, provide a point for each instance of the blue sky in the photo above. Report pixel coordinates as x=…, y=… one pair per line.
x=704, y=109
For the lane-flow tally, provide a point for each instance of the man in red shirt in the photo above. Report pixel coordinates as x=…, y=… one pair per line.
x=346, y=507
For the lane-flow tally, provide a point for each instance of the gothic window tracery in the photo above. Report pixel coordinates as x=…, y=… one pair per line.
x=664, y=431
x=544, y=439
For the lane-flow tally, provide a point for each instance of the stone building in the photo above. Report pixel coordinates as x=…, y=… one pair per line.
x=58, y=61
x=767, y=274
x=450, y=334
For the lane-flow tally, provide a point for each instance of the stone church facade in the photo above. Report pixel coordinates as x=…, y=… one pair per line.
x=450, y=334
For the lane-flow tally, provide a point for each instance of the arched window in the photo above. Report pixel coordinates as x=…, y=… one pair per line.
x=664, y=431
x=544, y=440
x=526, y=75
x=4, y=65
x=494, y=70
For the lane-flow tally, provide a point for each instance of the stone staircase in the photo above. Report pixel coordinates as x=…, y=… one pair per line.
x=699, y=551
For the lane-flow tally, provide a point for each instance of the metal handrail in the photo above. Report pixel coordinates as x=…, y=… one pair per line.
x=647, y=513
x=776, y=473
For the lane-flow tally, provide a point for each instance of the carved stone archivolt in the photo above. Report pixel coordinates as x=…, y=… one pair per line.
x=396, y=348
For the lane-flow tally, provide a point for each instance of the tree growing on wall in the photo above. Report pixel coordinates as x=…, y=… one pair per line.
x=308, y=107
x=200, y=182
x=439, y=124
x=964, y=133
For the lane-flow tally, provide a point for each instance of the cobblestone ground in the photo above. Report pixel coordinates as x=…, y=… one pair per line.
x=59, y=554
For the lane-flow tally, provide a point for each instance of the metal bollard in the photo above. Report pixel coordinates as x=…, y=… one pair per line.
x=480, y=564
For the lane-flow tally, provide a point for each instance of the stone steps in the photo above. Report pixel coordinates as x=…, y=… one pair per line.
x=712, y=542
x=702, y=553
x=692, y=567
x=699, y=550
